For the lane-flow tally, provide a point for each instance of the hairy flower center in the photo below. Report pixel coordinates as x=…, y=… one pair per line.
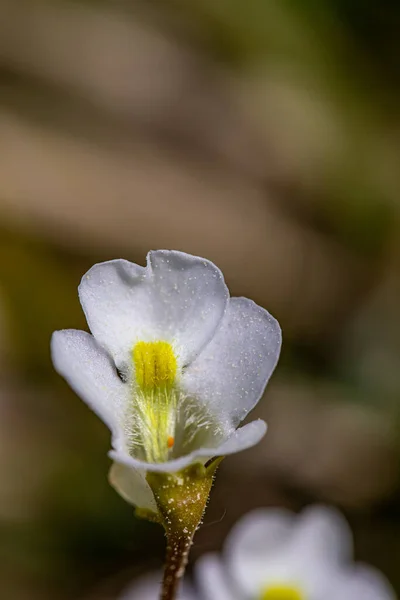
x=162, y=422
x=281, y=592
x=155, y=399
x=155, y=365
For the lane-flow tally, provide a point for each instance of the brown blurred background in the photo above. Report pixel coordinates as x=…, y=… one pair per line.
x=264, y=136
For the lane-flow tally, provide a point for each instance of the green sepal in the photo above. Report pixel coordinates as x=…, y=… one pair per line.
x=148, y=515
x=182, y=497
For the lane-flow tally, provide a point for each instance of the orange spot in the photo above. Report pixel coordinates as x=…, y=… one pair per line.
x=170, y=441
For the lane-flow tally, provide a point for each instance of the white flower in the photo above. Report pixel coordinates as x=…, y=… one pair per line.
x=148, y=587
x=272, y=554
x=173, y=365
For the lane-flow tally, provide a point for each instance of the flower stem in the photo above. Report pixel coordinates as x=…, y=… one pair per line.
x=178, y=547
x=181, y=501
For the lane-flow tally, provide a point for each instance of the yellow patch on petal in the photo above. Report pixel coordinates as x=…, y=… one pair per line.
x=155, y=399
x=281, y=592
x=155, y=365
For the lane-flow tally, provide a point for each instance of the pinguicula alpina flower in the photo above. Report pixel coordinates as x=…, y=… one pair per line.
x=272, y=554
x=172, y=367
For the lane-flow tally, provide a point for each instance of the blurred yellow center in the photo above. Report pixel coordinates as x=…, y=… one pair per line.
x=155, y=365
x=281, y=592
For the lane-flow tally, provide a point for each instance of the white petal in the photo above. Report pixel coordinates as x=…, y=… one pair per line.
x=316, y=551
x=91, y=374
x=211, y=579
x=131, y=484
x=322, y=533
x=233, y=369
x=178, y=298
x=274, y=546
x=242, y=438
x=148, y=587
x=361, y=583
x=253, y=545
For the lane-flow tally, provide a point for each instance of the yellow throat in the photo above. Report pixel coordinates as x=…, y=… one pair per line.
x=155, y=365
x=155, y=398
x=281, y=592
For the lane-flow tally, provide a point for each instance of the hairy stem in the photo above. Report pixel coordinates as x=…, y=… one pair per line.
x=178, y=547
x=181, y=501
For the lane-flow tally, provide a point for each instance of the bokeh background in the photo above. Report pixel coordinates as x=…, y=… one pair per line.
x=263, y=135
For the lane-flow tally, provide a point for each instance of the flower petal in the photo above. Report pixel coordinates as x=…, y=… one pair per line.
x=233, y=369
x=131, y=484
x=178, y=298
x=241, y=439
x=211, y=579
x=91, y=373
x=314, y=527
x=273, y=546
x=362, y=582
x=148, y=587
x=253, y=545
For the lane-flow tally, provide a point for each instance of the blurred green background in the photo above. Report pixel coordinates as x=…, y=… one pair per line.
x=263, y=135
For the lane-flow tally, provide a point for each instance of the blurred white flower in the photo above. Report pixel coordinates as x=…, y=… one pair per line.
x=272, y=554
x=148, y=587
x=173, y=365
